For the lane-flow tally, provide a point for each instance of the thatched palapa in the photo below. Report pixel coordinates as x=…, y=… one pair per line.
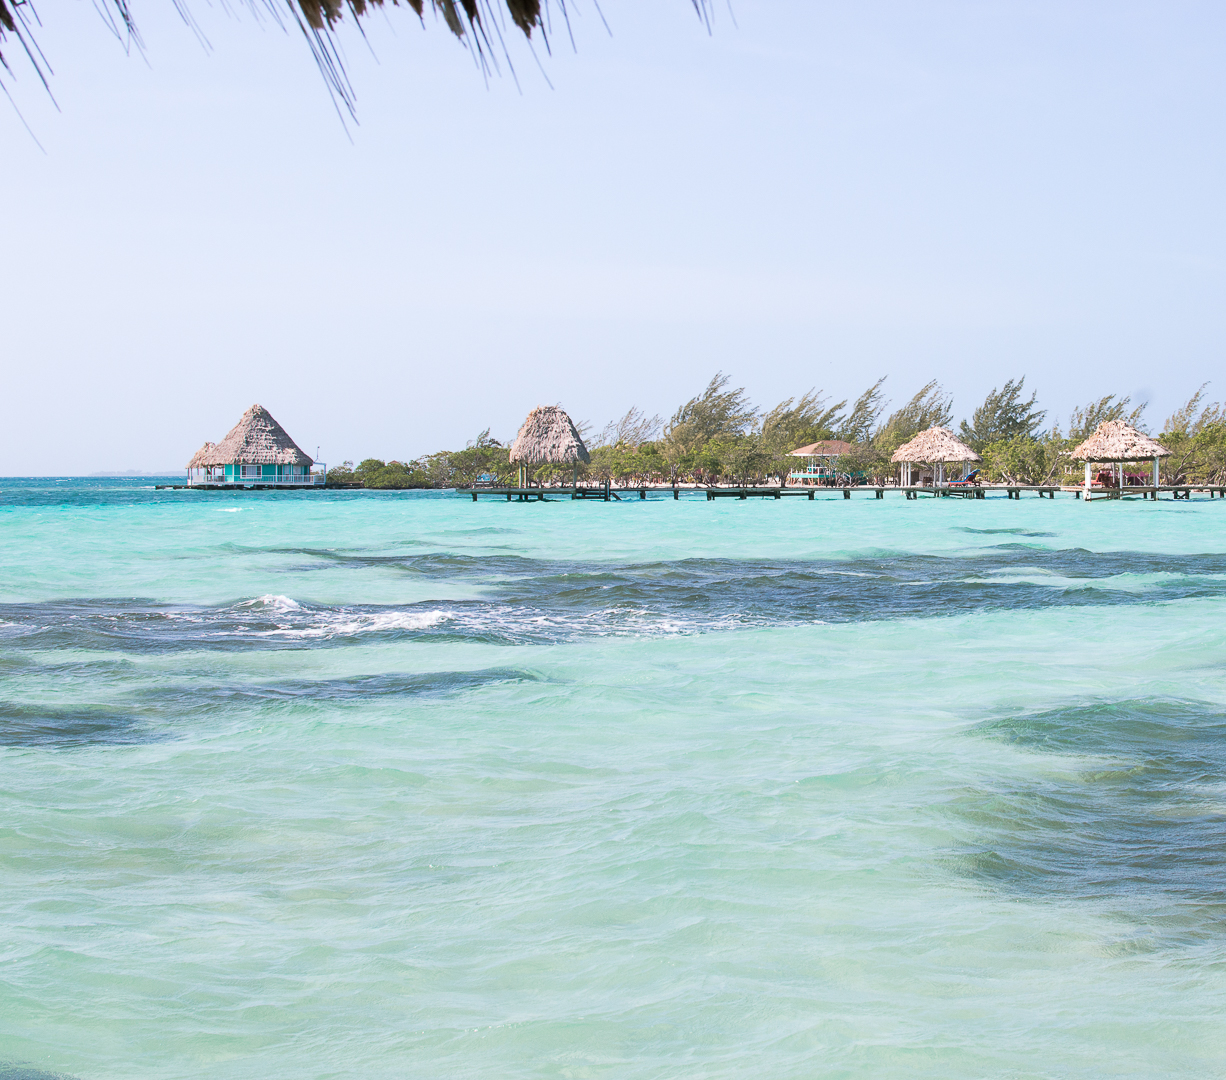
x=548, y=437
x=257, y=439
x=936, y=446
x=1114, y=440
x=820, y=463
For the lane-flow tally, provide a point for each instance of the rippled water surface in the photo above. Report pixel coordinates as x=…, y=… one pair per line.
x=375, y=785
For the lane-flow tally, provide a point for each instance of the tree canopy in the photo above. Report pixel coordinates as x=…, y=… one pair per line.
x=715, y=413
x=1196, y=436
x=718, y=435
x=1004, y=414
x=1187, y=421
x=930, y=406
x=1083, y=422
x=632, y=430
x=794, y=422
x=860, y=424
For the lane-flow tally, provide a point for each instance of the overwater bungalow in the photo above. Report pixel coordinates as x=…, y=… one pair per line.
x=819, y=462
x=1114, y=443
x=257, y=453
x=937, y=447
x=548, y=437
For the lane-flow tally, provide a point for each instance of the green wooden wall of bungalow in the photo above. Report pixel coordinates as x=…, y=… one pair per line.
x=239, y=473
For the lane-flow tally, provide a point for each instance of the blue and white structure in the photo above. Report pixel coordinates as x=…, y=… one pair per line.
x=257, y=453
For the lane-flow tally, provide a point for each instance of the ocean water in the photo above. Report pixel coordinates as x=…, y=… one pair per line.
x=383, y=785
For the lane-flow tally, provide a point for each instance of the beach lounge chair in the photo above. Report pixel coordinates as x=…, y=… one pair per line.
x=971, y=478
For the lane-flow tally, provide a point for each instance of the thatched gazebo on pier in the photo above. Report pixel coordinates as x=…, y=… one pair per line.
x=938, y=446
x=1115, y=442
x=257, y=450
x=820, y=460
x=548, y=437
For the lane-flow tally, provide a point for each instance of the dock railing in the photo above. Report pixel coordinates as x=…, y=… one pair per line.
x=315, y=479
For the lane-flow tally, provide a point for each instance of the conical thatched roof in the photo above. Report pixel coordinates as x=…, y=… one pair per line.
x=548, y=437
x=1113, y=440
x=257, y=439
x=829, y=448
x=937, y=444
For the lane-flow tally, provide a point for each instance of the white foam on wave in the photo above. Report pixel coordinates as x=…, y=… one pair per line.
x=272, y=602
x=230, y=510
x=643, y=623
x=376, y=622
x=348, y=624
x=292, y=621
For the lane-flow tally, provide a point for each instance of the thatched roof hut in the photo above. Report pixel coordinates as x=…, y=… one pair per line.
x=257, y=439
x=936, y=446
x=1114, y=440
x=548, y=437
x=820, y=462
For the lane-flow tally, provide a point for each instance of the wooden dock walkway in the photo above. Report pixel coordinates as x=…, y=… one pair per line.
x=1177, y=491
x=608, y=493
x=602, y=492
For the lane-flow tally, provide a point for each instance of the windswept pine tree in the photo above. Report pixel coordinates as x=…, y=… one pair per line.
x=931, y=407
x=716, y=413
x=1004, y=414
x=631, y=431
x=1085, y=420
x=794, y=422
x=860, y=424
x=1196, y=436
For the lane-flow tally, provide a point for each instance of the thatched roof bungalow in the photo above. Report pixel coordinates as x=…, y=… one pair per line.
x=1116, y=442
x=257, y=450
x=548, y=437
x=938, y=446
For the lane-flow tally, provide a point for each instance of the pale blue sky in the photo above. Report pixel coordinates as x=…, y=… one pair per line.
x=817, y=195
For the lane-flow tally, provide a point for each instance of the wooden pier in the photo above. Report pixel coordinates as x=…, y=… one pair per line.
x=1177, y=491
x=601, y=492
x=608, y=493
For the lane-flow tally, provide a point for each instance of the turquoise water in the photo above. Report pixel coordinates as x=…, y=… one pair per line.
x=394, y=785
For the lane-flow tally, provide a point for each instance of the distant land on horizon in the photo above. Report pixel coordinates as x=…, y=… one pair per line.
x=137, y=472
x=114, y=474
